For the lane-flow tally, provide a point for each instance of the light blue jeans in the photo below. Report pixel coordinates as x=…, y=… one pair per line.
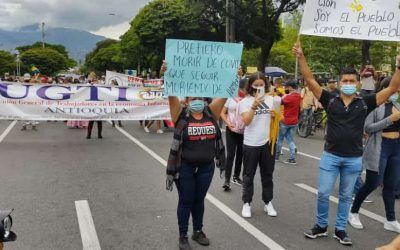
x=286, y=132
x=330, y=167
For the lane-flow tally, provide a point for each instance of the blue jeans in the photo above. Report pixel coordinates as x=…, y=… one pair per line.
x=330, y=167
x=286, y=132
x=359, y=183
x=192, y=185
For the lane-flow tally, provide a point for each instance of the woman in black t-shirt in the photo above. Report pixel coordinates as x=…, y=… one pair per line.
x=198, y=135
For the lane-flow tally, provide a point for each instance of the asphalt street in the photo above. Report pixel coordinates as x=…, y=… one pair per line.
x=122, y=177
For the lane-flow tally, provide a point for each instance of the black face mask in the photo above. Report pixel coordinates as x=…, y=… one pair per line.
x=287, y=91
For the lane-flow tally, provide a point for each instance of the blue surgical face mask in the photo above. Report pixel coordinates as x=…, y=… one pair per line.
x=196, y=106
x=348, y=89
x=394, y=97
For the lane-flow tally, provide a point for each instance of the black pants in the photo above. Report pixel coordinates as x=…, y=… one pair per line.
x=99, y=128
x=253, y=156
x=234, y=146
x=119, y=123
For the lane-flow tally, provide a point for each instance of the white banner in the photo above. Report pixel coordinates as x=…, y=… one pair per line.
x=354, y=19
x=113, y=78
x=81, y=102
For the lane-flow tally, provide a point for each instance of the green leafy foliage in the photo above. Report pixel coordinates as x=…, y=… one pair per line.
x=47, y=60
x=7, y=62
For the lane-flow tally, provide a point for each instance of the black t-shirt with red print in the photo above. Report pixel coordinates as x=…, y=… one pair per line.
x=198, y=144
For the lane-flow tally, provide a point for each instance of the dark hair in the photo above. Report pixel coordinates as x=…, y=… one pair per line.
x=349, y=71
x=254, y=77
x=384, y=84
x=243, y=83
x=292, y=83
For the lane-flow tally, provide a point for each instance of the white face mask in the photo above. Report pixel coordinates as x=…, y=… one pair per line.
x=260, y=90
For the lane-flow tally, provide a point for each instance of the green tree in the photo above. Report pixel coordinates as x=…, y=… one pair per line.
x=7, y=62
x=144, y=43
x=257, y=21
x=47, y=60
x=106, y=56
x=57, y=47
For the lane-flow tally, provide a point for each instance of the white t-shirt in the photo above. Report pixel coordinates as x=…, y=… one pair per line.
x=257, y=133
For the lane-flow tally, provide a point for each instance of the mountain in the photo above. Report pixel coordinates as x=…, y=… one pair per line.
x=77, y=42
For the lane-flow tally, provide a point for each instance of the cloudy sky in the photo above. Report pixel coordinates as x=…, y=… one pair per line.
x=89, y=15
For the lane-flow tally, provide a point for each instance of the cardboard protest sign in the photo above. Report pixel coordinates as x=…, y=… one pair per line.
x=354, y=19
x=202, y=69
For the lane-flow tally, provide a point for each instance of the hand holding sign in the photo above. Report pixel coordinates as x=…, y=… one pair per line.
x=202, y=69
x=297, y=50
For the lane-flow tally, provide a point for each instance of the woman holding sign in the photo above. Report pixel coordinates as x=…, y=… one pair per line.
x=197, y=147
x=256, y=111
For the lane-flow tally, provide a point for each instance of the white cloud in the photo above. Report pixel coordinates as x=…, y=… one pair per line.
x=113, y=31
x=89, y=15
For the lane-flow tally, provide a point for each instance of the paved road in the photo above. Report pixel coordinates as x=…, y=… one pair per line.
x=44, y=172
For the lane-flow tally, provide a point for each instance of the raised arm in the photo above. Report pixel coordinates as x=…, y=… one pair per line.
x=383, y=96
x=216, y=107
x=306, y=72
x=175, y=107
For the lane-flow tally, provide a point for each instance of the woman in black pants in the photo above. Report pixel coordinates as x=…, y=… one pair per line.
x=195, y=150
x=256, y=110
x=234, y=137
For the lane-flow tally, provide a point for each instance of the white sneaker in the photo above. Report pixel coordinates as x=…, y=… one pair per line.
x=393, y=226
x=160, y=131
x=246, y=210
x=146, y=129
x=270, y=210
x=354, y=221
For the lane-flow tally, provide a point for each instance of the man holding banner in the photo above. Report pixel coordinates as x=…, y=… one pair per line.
x=343, y=147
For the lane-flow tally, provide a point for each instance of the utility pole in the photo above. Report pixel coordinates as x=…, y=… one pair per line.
x=230, y=22
x=43, y=34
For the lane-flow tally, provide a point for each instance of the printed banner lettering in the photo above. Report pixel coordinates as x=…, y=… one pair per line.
x=354, y=19
x=81, y=102
x=202, y=69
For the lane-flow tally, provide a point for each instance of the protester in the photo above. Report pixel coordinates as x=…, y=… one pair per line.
x=256, y=111
x=332, y=87
x=381, y=159
x=150, y=123
x=343, y=148
x=99, y=129
x=28, y=79
x=234, y=136
x=197, y=143
x=291, y=102
x=367, y=80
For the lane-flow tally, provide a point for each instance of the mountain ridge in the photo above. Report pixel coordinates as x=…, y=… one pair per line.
x=77, y=42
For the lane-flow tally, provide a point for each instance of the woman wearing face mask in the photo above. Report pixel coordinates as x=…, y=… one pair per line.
x=381, y=159
x=234, y=136
x=197, y=143
x=255, y=110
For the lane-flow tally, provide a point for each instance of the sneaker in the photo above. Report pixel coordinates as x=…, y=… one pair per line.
x=270, y=210
x=226, y=186
x=237, y=180
x=246, y=210
x=342, y=237
x=146, y=129
x=184, y=243
x=290, y=161
x=316, y=232
x=354, y=220
x=160, y=131
x=368, y=200
x=201, y=238
x=100, y=137
x=393, y=226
